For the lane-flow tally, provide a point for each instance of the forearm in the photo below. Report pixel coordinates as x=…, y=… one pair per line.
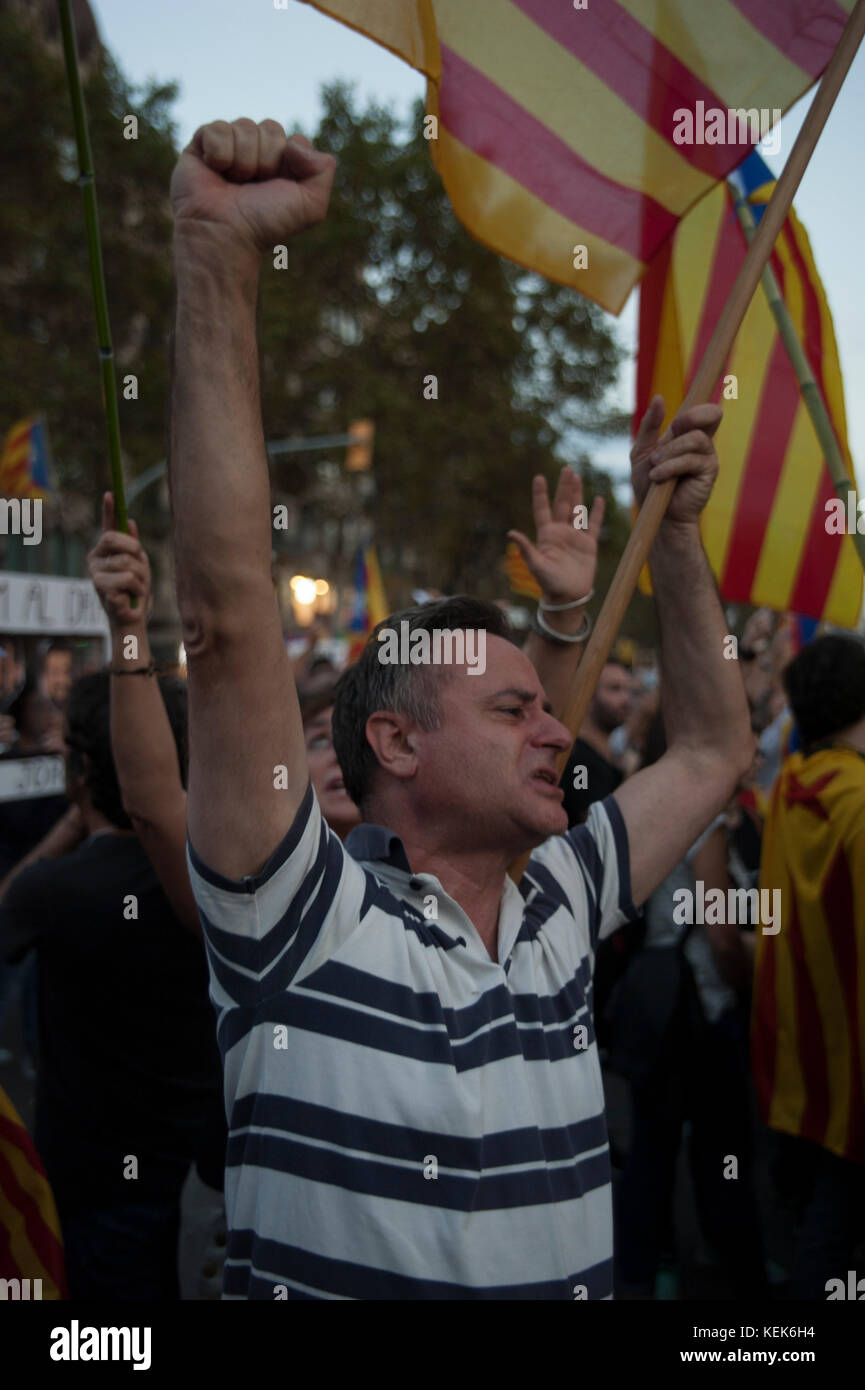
x=555, y=664
x=238, y=670
x=218, y=467
x=703, y=699
x=142, y=743
x=61, y=838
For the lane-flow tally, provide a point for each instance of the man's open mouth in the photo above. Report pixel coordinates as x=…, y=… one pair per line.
x=546, y=774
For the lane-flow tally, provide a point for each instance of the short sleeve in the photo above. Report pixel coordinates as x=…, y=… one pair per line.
x=263, y=929
x=590, y=864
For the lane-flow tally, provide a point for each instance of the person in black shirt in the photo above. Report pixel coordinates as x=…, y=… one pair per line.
x=24, y=821
x=591, y=764
x=129, y=1071
x=591, y=775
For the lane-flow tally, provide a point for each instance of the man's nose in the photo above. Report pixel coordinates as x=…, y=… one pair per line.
x=554, y=734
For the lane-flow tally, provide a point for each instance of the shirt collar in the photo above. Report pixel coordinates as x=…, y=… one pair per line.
x=371, y=842
x=377, y=843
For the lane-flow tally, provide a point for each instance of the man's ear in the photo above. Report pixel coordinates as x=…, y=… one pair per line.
x=392, y=739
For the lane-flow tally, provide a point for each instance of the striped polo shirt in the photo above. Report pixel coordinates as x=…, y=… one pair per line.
x=409, y=1118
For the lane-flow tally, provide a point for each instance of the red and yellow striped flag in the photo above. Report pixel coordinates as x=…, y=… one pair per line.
x=764, y=526
x=24, y=460
x=556, y=122
x=808, y=1020
x=30, y=1242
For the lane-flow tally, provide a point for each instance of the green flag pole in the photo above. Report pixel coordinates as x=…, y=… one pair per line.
x=811, y=395
x=97, y=275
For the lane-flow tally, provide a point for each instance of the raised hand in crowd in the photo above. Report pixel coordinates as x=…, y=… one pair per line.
x=142, y=742
x=562, y=560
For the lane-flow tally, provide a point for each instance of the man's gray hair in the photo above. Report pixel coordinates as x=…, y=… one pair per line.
x=414, y=691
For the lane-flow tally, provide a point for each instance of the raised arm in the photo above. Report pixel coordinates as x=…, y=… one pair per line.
x=142, y=744
x=562, y=560
x=709, y=740
x=238, y=190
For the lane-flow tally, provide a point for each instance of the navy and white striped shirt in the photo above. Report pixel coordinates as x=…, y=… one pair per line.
x=409, y=1118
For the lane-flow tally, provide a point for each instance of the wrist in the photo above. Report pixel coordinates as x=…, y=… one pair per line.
x=214, y=249
x=568, y=622
x=676, y=544
x=564, y=612
x=558, y=636
x=674, y=533
x=119, y=638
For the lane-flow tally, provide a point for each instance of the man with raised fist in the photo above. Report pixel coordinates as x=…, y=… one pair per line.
x=412, y=1078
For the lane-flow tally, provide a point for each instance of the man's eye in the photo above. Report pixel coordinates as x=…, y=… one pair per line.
x=512, y=709
x=319, y=741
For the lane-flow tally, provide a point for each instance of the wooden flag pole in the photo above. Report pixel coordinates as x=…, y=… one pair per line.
x=811, y=394
x=651, y=513
x=97, y=274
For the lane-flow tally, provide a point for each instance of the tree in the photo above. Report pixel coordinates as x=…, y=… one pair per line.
x=391, y=296
x=474, y=370
x=48, y=351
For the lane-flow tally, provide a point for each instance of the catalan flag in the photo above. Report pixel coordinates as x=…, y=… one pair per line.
x=370, y=603
x=764, y=525
x=24, y=460
x=808, y=1013
x=557, y=121
x=30, y=1243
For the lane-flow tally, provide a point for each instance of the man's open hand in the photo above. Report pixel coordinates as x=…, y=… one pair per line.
x=564, y=556
x=252, y=180
x=685, y=452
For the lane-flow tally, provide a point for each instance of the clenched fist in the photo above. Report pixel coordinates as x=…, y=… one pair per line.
x=119, y=568
x=252, y=180
x=684, y=453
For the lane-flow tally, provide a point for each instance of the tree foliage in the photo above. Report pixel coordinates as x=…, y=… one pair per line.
x=389, y=292
x=48, y=351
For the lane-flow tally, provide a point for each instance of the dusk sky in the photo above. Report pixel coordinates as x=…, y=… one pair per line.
x=248, y=59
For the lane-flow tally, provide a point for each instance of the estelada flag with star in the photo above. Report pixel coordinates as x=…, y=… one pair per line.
x=808, y=1020
x=25, y=459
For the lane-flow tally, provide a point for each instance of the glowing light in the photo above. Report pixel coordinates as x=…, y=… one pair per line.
x=322, y=587
x=303, y=588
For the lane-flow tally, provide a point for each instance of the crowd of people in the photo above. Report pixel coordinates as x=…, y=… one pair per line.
x=396, y=1087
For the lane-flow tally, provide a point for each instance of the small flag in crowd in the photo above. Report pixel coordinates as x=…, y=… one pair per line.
x=25, y=459
x=764, y=526
x=370, y=603
x=520, y=577
x=30, y=1243
x=572, y=137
